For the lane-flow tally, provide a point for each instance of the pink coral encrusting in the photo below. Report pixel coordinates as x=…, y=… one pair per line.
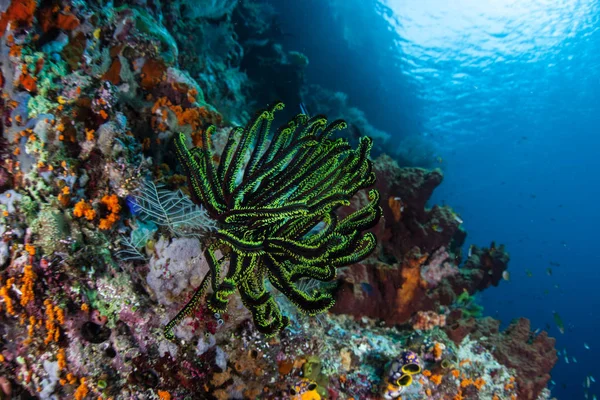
x=438, y=267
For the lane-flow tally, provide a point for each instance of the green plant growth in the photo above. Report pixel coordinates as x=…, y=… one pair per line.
x=468, y=305
x=274, y=197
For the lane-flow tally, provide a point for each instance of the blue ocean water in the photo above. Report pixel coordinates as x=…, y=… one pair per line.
x=504, y=97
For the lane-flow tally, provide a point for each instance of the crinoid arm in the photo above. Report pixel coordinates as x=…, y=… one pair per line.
x=274, y=197
x=188, y=309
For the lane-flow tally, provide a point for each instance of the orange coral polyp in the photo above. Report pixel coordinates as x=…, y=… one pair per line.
x=112, y=204
x=458, y=396
x=436, y=379
x=164, y=395
x=28, y=280
x=61, y=358
x=8, y=302
x=84, y=209
x=466, y=382
x=479, y=383
x=50, y=326
x=437, y=350
x=30, y=249
x=31, y=327
x=108, y=222
x=82, y=390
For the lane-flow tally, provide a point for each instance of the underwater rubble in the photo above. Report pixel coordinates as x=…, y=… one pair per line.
x=92, y=98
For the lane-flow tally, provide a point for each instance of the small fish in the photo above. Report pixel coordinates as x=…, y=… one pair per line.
x=537, y=331
x=552, y=382
x=549, y=271
x=439, y=160
x=592, y=379
x=559, y=322
x=574, y=360
x=529, y=273
x=586, y=346
x=594, y=398
x=437, y=228
x=470, y=252
x=567, y=360
x=587, y=381
x=506, y=276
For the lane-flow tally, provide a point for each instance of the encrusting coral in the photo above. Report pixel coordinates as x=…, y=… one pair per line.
x=276, y=219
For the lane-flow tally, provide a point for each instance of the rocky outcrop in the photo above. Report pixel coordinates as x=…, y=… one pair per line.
x=390, y=285
x=531, y=356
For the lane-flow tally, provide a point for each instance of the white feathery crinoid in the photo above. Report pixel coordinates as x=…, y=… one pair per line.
x=173, y=210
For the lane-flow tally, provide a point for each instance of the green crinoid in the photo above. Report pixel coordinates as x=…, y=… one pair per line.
x=274, y=198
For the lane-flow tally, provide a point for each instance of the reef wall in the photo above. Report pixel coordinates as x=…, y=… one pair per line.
x=92, y=93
